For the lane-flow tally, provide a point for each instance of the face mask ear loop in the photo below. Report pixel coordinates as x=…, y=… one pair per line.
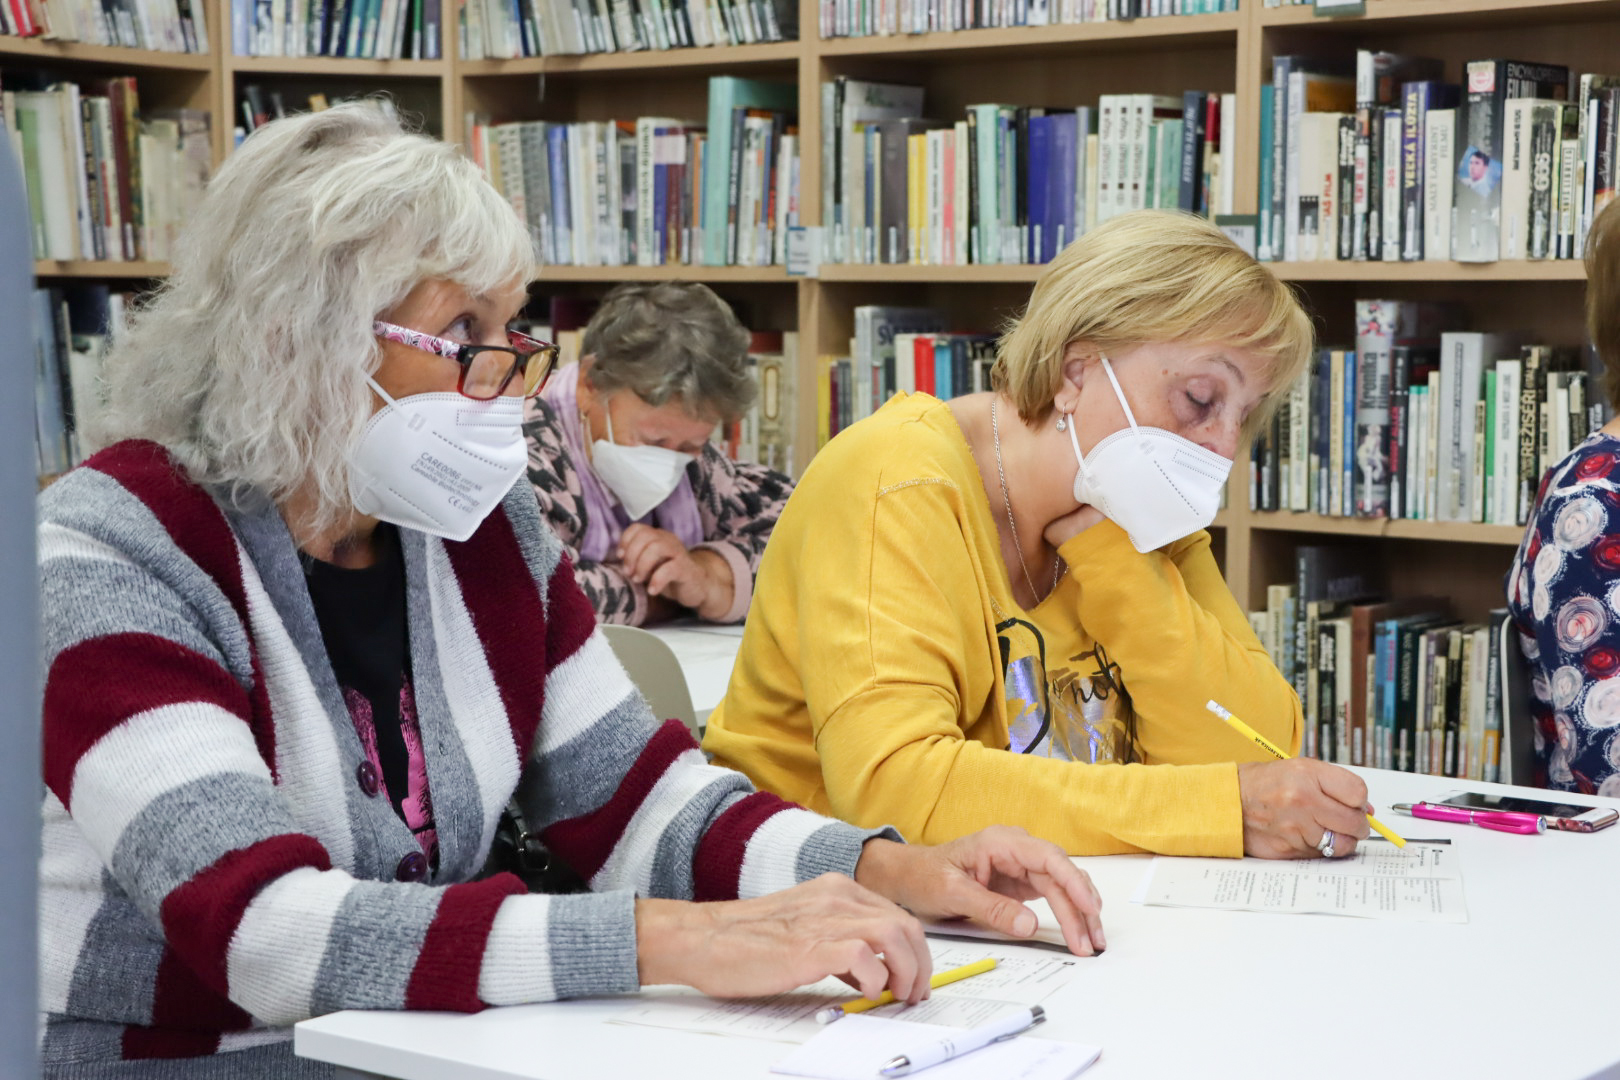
x=380, y=392
x=1074, y=441
x=1129, y=417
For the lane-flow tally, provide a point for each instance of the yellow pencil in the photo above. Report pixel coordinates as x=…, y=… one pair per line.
x=943, y=978
x=1265, y=744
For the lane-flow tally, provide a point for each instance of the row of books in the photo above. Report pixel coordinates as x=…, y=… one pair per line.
x=505, y=29
x=70, y=331
x=105, y=180
x=257, y=105
x=898, y=349
x=1418, y=423
x=763, y=436
x=1391, y=162
x=359, y=29
x=1009, y=183
x=855, y=18
x=1388, y=684
x=656, y=191
x=179, y=26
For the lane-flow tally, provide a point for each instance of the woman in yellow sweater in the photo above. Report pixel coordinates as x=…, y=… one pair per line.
x=1004, y=609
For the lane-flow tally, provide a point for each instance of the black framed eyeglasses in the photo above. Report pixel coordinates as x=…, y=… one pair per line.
x=486, y=370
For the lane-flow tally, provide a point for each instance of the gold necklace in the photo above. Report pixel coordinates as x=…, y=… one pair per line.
x=1001, y=474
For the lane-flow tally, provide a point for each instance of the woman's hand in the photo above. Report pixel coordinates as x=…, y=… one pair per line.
x=1288, y=806
x=983, y=877
x=744, y=948
x=697, y=579
x=1071, y=525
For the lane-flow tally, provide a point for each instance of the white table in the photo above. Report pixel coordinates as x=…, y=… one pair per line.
x=1526, y=989
x=707, y=654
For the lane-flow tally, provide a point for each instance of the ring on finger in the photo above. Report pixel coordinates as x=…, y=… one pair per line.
x=1325, y=845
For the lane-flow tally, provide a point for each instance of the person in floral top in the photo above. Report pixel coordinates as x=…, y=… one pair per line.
x=1564, y=586
x=658, y=522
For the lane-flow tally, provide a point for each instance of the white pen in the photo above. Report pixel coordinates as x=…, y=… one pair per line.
x=943, y=1050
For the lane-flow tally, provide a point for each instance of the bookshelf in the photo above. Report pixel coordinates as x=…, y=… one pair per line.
x=1061, y=65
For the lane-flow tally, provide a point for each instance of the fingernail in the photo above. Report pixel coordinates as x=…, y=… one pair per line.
x=1024, y=923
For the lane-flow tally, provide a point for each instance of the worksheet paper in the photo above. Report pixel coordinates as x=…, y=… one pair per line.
x=855, y=1047
x=1418, y=883
x=1021, y=977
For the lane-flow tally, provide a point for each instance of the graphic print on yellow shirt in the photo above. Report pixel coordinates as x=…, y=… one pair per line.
x=1063, y=700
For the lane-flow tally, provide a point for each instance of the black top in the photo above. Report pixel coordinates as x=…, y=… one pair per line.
x=362, y=618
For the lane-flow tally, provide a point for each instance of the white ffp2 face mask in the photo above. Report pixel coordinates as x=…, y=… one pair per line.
x=1154, y=484
x=640, y=477
x=437, y=463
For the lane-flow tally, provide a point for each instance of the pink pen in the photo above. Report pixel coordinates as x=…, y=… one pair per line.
x=1500, y=820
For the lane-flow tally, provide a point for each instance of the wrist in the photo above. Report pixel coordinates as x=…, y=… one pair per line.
x=880, y=867
x=669, y=934
x=718, y=585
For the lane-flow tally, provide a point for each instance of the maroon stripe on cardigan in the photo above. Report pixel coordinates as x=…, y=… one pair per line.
x=717, y=867
x=570, y=618
x=98, y=684
x=198, y=526
x=585, y=842
x=506, y=611
x=201, y=916
x=150, y=1042
x=181, y=1000
x=447, y=968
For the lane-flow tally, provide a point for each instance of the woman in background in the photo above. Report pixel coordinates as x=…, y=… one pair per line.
x=1004, y=608
x=659, y=523
x=1563, y=590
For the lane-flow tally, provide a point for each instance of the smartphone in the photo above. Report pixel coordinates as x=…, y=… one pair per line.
x=1570, y=817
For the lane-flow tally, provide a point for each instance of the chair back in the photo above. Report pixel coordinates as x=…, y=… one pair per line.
x=652, y=666
x=1518, y=726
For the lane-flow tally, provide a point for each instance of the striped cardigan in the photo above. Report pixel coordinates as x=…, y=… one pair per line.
x=212, y=870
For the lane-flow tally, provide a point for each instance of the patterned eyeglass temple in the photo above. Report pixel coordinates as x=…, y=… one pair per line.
x=450, y=350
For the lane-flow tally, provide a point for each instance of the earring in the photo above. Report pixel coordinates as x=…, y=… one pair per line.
x=1063, y=422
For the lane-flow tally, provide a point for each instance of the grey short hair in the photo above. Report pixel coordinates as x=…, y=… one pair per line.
x=250, y=362
x=673, y=341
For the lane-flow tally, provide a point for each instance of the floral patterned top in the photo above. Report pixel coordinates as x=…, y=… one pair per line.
x=1564, y=597
x=738, y=503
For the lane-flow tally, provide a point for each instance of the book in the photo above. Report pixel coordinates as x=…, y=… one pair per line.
x=1417, y=99
x=1489, y=85
x=1439, y=144
x=726, y=94
x=1463, y=357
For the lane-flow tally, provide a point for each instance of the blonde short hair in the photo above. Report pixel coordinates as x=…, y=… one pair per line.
x=1151, y=276
x=250, y=362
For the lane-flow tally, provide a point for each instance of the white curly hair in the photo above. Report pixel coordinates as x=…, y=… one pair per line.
x=250, y=362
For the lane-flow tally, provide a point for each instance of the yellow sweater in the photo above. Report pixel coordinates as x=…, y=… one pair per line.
x=884, y=653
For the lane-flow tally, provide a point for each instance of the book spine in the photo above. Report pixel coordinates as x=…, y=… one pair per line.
x=1192, y=148
x=1439, y=133
x=1400, y=392
x=1376, y=323
x=1542, y=229
x=1516, y=136
x=1279, y=155
x=1414, y=102
x=1267, y=154
x=1390, y=196
x=1532, y=392
x=1345, y=228
x=1477, y=228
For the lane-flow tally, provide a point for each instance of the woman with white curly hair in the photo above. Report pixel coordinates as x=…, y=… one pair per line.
x=304, y=641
